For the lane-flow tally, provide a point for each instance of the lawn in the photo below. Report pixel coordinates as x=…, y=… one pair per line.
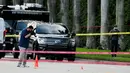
x=120, y=57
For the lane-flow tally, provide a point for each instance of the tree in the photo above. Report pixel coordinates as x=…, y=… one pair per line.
x=16, y=2
x=90, y=43
x=51, y=8
x=39, y=1
x=76, y=17
x=120, y=19
x=64, y=11
x=1, y=2
x=104, y=24
x=29, y=1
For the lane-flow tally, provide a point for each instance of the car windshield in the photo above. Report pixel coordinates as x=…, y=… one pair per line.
x=21, y=25
x=51, y=29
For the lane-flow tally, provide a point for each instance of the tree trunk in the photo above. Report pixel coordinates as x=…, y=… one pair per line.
x=104, y=24
x=52, y=8
x=29, y=1
x=64, y=11
x=26, y=1
x=16, y=2
x=120, y=19
x=90, y=43
x=40, y=1
x=76, y=17
x=1, y=2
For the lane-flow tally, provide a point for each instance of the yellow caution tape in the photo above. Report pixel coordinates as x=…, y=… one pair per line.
x=97, y=34
x=87, y=34
x=11, y=35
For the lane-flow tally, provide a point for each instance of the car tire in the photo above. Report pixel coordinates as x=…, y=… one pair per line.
x=59, y=58
x=16, y=55
x=35, y=48
x=2, y=54
x=71, y=57
x=29, y=56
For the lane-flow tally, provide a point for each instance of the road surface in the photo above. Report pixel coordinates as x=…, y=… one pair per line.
x=55, y=67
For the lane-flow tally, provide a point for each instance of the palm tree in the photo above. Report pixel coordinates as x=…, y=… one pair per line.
x=104, y=24
x=64, y=11
x=39, y=1
x=16, y=2
x=120, y=19
x=76, y=10
x=1, y=2
x=90, y=43
x=76, y=17
x=52, y=8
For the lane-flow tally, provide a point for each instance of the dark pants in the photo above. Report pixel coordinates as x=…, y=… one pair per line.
x=114, y=47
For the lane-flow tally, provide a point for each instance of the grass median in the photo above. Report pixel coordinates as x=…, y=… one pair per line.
x=106, y=57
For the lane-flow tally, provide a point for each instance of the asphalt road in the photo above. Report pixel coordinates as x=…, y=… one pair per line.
x=56, y=67
x=45, y=67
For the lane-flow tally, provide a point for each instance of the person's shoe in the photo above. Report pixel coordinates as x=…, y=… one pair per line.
x=18, y=65
x=25, y=66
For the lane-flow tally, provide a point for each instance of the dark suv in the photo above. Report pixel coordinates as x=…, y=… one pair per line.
x=53, y=37
x=20, y=25
x=9, y=41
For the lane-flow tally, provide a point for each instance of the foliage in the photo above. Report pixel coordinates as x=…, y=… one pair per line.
x=121, y=58
x=83, y=17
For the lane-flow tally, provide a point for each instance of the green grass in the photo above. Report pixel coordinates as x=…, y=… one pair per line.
x=120, y=58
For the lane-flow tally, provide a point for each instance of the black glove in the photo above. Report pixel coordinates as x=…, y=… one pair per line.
x=32, y=33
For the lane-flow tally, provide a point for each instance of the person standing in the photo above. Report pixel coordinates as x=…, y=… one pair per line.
x=23, y=44
x=114, y=40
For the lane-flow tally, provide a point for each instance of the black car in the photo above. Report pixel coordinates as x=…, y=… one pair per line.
x=53, y=37
x=20, y=25
x=9, y=41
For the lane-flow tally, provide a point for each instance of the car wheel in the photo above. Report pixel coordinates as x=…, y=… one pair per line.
x=30, y=56
x=2, y=54
x=59, y=58
x=15, y=54
x=35, y=48
x=71, y=57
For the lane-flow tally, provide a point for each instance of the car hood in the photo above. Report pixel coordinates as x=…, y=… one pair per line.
x=51, y=36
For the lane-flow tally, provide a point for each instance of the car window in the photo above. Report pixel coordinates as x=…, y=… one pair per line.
x=21, y=25
x=2, y=24
x=51, y=29
x=7, y=25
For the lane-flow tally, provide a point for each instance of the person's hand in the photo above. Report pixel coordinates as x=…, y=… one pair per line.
x=32, y=33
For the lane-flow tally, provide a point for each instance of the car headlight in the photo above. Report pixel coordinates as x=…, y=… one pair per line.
x=41, y=41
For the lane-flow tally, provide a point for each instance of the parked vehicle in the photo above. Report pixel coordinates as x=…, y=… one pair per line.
x=20, y=25
x=10, y=42
x=53, y=37
x=2, y=36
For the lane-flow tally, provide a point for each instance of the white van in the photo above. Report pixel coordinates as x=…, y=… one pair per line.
x=2, y=36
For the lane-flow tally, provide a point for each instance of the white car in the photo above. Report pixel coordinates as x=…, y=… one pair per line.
x=2, y=36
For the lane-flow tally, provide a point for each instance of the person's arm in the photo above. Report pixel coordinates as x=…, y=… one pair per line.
x=28, y=35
